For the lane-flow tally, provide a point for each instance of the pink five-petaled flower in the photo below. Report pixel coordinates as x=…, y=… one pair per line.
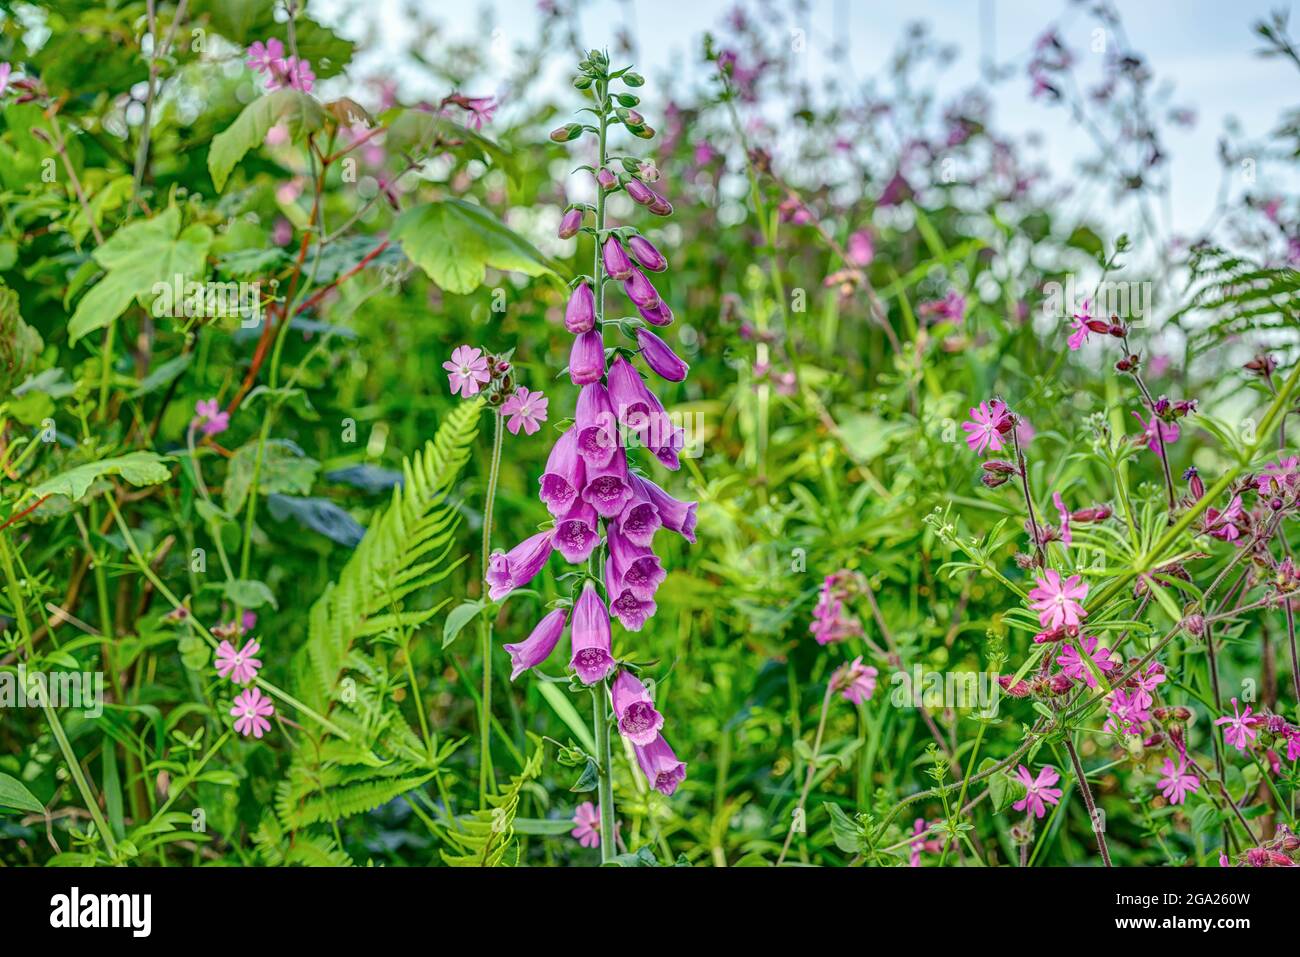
x=586, y=824
x=920, y=843
x=240, y=666
x=1178, y=782
x=527, y=409
x=855, y=681
x=263, y=57
x=467, y=371
x=293, y=73
x=1240, y=730
x=250, y=712
x=1081, y=319
x=987, y=427
x=1038, y=790
x=1075, y=665
x=5, y=70
x=1168, y=431
x=1058, y=602
x=209, y=417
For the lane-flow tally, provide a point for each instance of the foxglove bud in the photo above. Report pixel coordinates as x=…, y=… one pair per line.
x=571, y=223
x=641, y=193
x=640, y=290
x=580, y=313
x=661, y=315
x=605, y=179
x=659, y=357
x=587, y=358
x=616, y=262
x=566, y=133
x=646, y=254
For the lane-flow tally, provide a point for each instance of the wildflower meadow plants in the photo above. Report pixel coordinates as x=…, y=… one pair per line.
x=736, y=470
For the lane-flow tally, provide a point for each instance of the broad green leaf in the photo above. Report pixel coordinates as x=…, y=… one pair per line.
x=284, y=469
x=14, y=795
x=248, y=594
x=20, y=344
x=458, y=618
x=137, y=258
x=296, y=111
x=137, y=468
x=454, y=242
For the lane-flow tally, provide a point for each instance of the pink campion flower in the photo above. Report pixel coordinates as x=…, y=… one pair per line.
x=860, y=251
x=660, y=766
x=1126, y=713
x=250, y=711
x=1277, y=477
x=586, y=824
x=1064, y=513
x=5, y=71
x=517, y=567
x=1178, y=782
x=832, y=622
x=919, y=843
x=855, y=681
x=265, y=57
x=1038, y=790
x=240, y=666
x=537, y=647
x=1226, y=525
x=1081, y=319
x=1168, y=431
x=293, y=73
x=989, y=424
x=1074, y=665
x=209, y=418
x=467, y=371
x=277, y=135
x=1058, y=603
x=526, y=409
x=634, y=709
x=1240, y=730
x=951, y=308
x=481, y=109
x=1147, y=682
x=1293, y=744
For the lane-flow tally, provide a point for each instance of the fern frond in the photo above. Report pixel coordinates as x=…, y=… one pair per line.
x=486, y=836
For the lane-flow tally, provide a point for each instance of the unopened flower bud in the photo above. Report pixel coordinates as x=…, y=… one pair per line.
x=566, y=133
x=571, y=223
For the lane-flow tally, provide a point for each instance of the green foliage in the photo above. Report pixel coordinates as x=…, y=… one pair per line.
x=485, y=838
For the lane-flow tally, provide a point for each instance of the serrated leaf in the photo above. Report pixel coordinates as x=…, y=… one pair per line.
x=455, y=242
x=296, y=111
x=137, y=468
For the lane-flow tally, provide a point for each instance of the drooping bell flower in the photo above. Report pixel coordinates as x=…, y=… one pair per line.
x=665, y=440
x=564, y=477
x=660, y=357
x=660, y=766
x=636, y=567
x=590, y=638
x=631, y=400
x=640, y=290
x=609, y=488
x=537, y=647
x=632, y=612
x=641, y=194
x=640, y=519
x=646, y=254
x=596, y=425
x=580, y=313
x=570, y=223
x=578, y=533
x=587, y=358
x=661, y=206
x=517, y=567
x=675, y=514
x=616, y=262
x=605, y=179
x=661, y=315
x=634, y=709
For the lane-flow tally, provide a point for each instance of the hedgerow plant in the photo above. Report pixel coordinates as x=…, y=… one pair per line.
x=934, y=521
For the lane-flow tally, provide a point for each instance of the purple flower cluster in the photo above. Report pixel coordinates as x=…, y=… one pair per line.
x=606, y=512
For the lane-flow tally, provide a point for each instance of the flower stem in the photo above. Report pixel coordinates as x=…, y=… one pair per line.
x=1097, y=827
x=485, y=776
x=606, y=759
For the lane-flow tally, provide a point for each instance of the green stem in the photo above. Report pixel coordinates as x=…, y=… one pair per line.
x=485, y=775
x=606, y=758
